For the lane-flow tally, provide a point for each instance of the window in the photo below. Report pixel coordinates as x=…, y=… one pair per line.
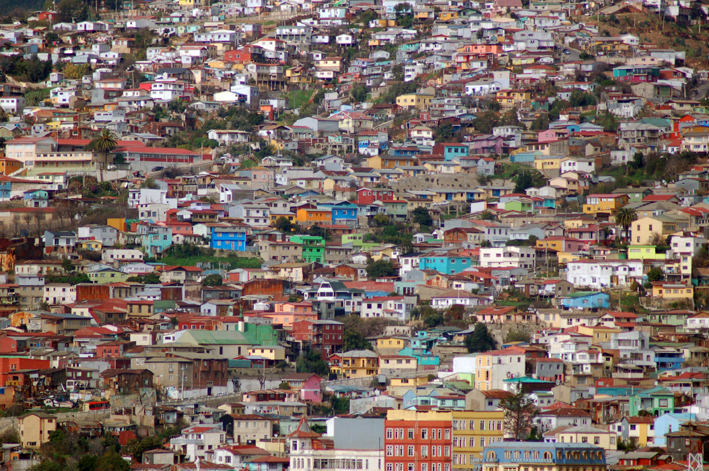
x=424, y=434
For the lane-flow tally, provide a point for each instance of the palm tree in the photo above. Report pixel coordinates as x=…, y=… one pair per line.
x=624, y=217
x=103, y=144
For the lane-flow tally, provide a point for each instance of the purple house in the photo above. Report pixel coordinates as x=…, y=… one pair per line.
x=307, y=383
x=486, y=144
x=552, y=135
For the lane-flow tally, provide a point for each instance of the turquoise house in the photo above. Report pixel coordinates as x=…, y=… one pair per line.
x=455, y=151
x=656, y=401
x=446, y=264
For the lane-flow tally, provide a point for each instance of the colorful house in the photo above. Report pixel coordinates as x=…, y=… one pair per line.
x=313, y=247
x=313, y=216
x=586, y=300
x=228, y=238
x=656, y=401
x=446, y=264
x=607, y=203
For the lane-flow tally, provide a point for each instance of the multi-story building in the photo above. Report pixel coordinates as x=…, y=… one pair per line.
x=537, y=456
x=520, y=257
x=472, y=432
x=417, y=441
x=493, y=367
x=354, y=364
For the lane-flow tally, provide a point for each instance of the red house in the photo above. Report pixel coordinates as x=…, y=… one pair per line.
x=324, y=335
x=370, y=195
x=410, y=443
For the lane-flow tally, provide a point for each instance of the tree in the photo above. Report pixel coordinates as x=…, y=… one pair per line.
x=517, y=335
x=624, y=217
x=284, y=225
x=485, y=121
x=519, y=414
x=422, y=217
x=359, y=93
x=480, y=340
x=433, y=318
x=380, y=268
x=212, y=280
x=311, y=361
x=404, y=15
x=355, y=341
x=523, y=181
x=103, y=144
x=70, y=11
x=655, y=274
x=76, y=71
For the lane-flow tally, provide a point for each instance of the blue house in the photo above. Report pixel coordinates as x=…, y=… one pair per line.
x=524, y=157
x=228, y=238
x=586, y=300
x=343, y=212
x=154, y=239
x=5, y=188
x=446, y=264
x=668, y=358
x=669, y=422
x=455, y=151
x=544, y=455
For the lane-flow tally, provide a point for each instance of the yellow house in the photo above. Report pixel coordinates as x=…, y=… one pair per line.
x=513, y=98
x=389, y=161
x=640, y=429
x=547, y=162
x=472, y=432
x=35, y=429
x=407, y=382
x=447, y=15
x=672, y=291
x=566, y=257
x=355, y=364
x=274, y=353
x=399, y=363
x=192, y=3
x=643, y=230
x=414, y=100
x=140, y=308
x=600, y=334
x=274, y=217
x=644, y=252
x=606, y=203
x=586, y=434
x=389, y=344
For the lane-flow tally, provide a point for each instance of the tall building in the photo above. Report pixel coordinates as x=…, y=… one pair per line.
x=417, y=441
x=472, y=432
x=540, y=456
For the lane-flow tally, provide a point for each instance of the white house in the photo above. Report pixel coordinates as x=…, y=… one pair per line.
x=196, y=441
x=604, y=274
x=519, y=257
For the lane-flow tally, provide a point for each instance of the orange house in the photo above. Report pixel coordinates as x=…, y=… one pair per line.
x=8, y=166
x=11, y=367
x=313, y=216
x=481, y=49
x=288, y=313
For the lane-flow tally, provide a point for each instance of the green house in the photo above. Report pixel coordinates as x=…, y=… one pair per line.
x=644, y=252
x=313, y=247
x=656, y=401
x=107, y=275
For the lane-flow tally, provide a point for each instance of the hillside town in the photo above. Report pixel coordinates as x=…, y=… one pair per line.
x=339, y=235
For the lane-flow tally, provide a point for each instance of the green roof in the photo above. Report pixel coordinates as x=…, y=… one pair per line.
x=217, y=337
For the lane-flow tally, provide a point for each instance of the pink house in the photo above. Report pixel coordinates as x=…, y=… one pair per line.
x=552, y=135
x=307, y=383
